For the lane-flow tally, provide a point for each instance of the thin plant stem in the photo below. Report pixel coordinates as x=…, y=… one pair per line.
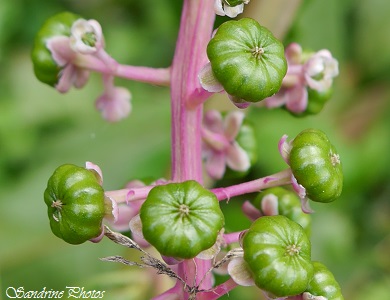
x=281, y=178
x=155, y=76
x=222, y=193
x=219, y=290
x=232, y=237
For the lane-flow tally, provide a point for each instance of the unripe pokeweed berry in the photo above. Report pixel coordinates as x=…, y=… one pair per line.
x=75, y=202
x=45, y=68
x=278, y=253
x=316, y=165
x=181, y=219
x=246, y=138
x=289, y=205
x=247, y=60
x=324, y=284
x=317, y=100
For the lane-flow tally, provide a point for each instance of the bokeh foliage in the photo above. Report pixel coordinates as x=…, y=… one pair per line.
x=41, y=129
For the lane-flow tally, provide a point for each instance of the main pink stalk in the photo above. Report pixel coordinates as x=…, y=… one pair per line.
x=190, y=56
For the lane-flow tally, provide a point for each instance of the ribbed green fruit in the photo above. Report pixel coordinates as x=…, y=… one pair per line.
x=75, y=204
x=247, y=60
x=324, y=284
x=181, y=219
x=278, y=253
x=316, y=165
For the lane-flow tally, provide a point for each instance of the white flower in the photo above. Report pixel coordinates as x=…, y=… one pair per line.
x=86, y=36
x=317, y=73
x=222, y=8
x=320, y=70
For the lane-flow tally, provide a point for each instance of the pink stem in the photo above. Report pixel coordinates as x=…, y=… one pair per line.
x=156, y=76
x=218, y=291
x=222, y=193
x=196, y=26
x=190, y=56
x=160, y=76
x=232, y=237
x=176, y=292
x=139, y=193
x=130, y=194
x=281, y=178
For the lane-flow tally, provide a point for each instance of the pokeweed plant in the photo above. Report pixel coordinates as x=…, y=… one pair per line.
x=181, y=216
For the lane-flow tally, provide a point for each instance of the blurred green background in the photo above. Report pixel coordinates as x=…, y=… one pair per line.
x=41, y=129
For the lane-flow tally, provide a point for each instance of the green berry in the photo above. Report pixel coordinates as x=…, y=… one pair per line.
x=317, y=100
x=247, y=60
x=278, y=253
x=45, y=68
x=75, y=202
x=181, y=219
x=324, y=284
x=316, y=165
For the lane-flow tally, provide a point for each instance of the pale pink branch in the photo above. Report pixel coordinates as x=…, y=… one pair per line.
x=232, y=237
x=218, y=291
x=155, y=76
x=281, y=178
x=141, y=193
x=175, y=293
